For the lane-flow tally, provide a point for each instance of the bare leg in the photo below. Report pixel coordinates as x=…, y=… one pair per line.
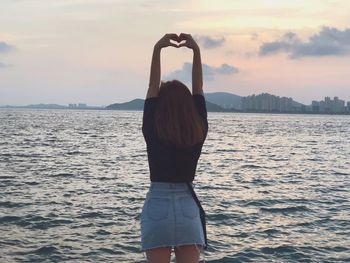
x=187, y=254
x=158, y=255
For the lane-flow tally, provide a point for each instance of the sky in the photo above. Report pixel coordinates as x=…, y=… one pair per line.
x=99, y=51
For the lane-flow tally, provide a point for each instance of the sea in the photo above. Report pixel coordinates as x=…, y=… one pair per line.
x=275, y=187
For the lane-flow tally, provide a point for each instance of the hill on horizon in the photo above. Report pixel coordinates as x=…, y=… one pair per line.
x=136, y=104
x=215, y=101
x=224, y=99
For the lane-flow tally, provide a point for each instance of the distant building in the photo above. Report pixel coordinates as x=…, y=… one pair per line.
x=82, y=105
x=348, y=106
x=77, y=106
x=338, y=105
x=315, y=106
x=329, y=106
x=267, y=103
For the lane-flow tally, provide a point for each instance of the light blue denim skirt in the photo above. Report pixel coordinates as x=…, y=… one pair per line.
x=170, y=217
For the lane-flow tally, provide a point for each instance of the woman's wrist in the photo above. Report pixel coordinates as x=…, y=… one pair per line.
x=157, y=47
x=196, y=49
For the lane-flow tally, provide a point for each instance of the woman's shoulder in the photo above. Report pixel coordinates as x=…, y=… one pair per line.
x=151, y=99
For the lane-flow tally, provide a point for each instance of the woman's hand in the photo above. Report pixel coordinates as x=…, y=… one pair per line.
x=197, y=75
x=189, y=42
x=183, y=40
x=154, y=80
x=165, y=41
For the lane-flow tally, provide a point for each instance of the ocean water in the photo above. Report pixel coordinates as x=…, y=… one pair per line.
x=72, y=183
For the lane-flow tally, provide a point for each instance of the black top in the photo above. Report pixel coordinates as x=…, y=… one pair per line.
x=166, y=162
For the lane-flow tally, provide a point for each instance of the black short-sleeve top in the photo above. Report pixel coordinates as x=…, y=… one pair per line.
x=166, y=162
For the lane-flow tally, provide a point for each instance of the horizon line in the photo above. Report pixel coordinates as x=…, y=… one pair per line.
x=87, y=105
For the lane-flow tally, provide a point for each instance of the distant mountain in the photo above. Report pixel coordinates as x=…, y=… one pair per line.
x=45, y=106
x=52, y=106
x=224, y=99
x=38, y=106
x=136, y=104
x=213, y=107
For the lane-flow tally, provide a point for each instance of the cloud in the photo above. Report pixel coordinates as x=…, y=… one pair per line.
x=254, y=36
x=226, y=69
x=209, y=72
x=328, y=42
x=210, y=42
x=4, y=47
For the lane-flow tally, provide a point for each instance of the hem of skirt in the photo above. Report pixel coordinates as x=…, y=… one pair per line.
x=143, y=249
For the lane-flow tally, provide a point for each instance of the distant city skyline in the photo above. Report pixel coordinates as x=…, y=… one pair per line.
x=83, y=104
x=262, y=101
x=99, y=51
x=270, y=103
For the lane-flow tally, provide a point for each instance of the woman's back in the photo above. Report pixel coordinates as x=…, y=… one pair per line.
x=167, y=162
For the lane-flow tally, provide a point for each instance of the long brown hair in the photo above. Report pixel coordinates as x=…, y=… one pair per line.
x=177, y=120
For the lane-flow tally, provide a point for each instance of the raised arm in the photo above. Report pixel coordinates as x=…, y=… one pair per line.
x=197, y=75
x=154, y=80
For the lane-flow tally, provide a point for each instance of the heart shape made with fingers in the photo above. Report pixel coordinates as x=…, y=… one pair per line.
x=177, y=40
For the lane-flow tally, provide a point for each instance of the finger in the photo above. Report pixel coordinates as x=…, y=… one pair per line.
x=173, y=42
x=173, y=45
x=184, y=36
x=183, y=45
x=172, y=36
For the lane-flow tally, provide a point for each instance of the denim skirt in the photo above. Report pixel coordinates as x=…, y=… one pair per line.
x=170, y=217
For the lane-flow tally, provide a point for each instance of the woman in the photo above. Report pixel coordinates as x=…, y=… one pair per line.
x=174, y=127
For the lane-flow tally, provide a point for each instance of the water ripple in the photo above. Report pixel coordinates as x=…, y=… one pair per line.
x=275, y=187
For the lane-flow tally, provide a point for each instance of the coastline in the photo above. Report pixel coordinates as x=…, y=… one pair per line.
x=220, y=111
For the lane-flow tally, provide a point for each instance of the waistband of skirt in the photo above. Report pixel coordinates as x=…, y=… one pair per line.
x=167, y=186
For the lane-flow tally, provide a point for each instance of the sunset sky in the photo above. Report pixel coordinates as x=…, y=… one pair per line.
x=98, y=51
